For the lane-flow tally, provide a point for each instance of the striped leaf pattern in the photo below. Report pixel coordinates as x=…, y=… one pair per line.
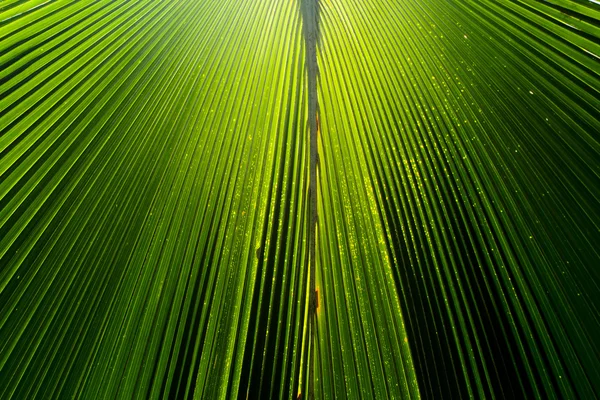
x=155, y=212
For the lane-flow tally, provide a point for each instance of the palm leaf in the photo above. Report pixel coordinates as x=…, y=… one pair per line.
x=156, y=222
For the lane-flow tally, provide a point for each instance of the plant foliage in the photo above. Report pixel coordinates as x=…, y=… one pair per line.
x=155, y=214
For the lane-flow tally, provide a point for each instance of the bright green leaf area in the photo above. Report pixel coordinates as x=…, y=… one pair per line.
x=154, y=203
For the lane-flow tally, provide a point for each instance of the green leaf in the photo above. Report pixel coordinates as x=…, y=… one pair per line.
x=156, y=222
